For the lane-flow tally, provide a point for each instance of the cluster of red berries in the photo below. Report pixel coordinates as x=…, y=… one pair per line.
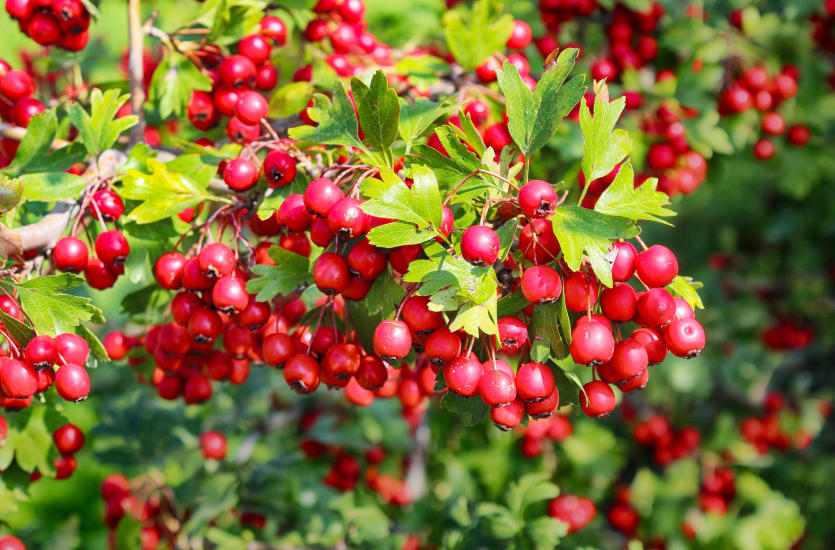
x=787, y=335
x=556, y=428
x=71, y=254
x=679, y=169
x=756, y=89
x=236, y=80
x=17, y=105
x=668, y=445
x=576, y=511
x=622, y=515
x=341, y=24
x=31, y=370
x=241, y=174
x=61, y=23
x=769, y=431
x=823, y=31
x=121, y=500
x=717, y=491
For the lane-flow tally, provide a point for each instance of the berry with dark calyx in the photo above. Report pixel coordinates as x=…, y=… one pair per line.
x=18, y=380
x=480, y=245
x=497, y=388
x=229, y=294
x=537, y=199
x=463, y=375
x=342, y=361
x=513, y=334
x=213, y=445
x=320, y=195
x=69, y=439
x=236, y=70
x=330, y=273
x=417, y=315
x=656, y=307
x=279, y=168
x=392, y=340
x=72, y=349
x=637, y=382
x=628, y=360
x=541, y=284
x=656, y=266
x=346, y=218
x=685, y=337
x=70, y=254
x=366, y=260
x=277, y=349
x=204, y=325
x=107, y=205
x=98, y=274
x=442, y=346
x=274, y=28
x=301, y=372
x=112, y=248
x=240, y=174
x=72, y=382
x=254, y=315
x=507, y=417
x=216, y=260
x=534, y=382
x=597, y=399
x=168, y=270
x=42, y=352
x=372, y=373
x=592, y=343
x=545, y=407
x=293, y=215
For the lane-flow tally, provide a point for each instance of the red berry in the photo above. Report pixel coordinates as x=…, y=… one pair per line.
x=577, y=512
x=619, y=303
x=251, y=108
x=98, y=274
x=798, y=135
x=69, y=439
x=520, y=37
x=541, y=284
x=72, y=349
x=513, y=334
x=653, y=343
x=463, y=375
x=213, y=445
x=72, y=382
x=534, y=382
x=372, y=373
x=107, y=205
x=236, y=70
x=497, y=388
x=597, y=399
x=70, y=254
x=685, y=337
x=538, y=242
x=330, y=273
x=10, y=542
x=229, y=294
x=18, y=380
x=43, y=29
x=240, y=174
x=321, y=194
x=480, y=245
x=656, y=307
x=764, y=149
x=301, y=372
x=255, y=47
x=277, y=349
x=279, y=168
x=537, y=199
x=366, y=260
x=592, y=343
x=216, y=260
x=442, y=346
x=64, y=467
x=116, y=344
x=580, y=292
x=656, y=266
x=16, y=85
x=346, y=218
x=293, y=214
x=506, y=417
x=274, y=28
x=392, y=340
x=204, y=325
x=42, y=352
x=623, y=266
x=628, y=360
x=419, y=318
x=773, y=123
x=112, y=248
x=168, y=270
x=24, y=109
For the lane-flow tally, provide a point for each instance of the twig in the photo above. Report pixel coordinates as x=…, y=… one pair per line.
x=135, y=68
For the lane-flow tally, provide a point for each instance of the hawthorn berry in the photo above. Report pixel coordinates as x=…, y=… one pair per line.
x=69, y=439
x=463, y=375
x=480, y=245
x=213, y=445
x=330, y=273
x=279, y=168
x=301, y=372
x=537, y=199
x=18, y=380
x=392, y=340
x=534, y=382
x=656, y=266
x=70, y=254
x=541, y=284
x=240, y=174
x=592, y=343
x=597, y=399
x=685, y=337
x=497, y=388
x=72, y=382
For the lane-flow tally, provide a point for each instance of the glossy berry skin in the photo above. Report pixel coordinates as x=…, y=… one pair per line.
x=70, y=254
x=251, y=108
x=72, y=382
x=279, y=168
x=16, y=85
x=72, y=349
x=628, y=360
x=637, y=382
x=372, y=373
x=656, y=307
x=624, y=265
x=598, y=399
x=116, y=344
x=417, y=315
x=520, y=37
x=330, y=273
x=98, y=274
x=592, y=343
x=544, y=408
x=541, y=284
x=255, y=47
x=321, y=194
x=656, y=266
x=274, y=28
x=685, y=337
x=513, y=334
x=229, y=294
x=277, y=349
x=204, y=325
x=346, y=218
x=497, y=388
x=442, y=346
x=301, y=372
x=112, y=248
x=534, y=382
x=580, y=292
x=293, y=215
x=168, y=270
x=10, y=542
x=18, y=380
x=236, y=70
x=69, y=439
x=216, y=260
x=507, y=417
x=576, y=511
x=42, y=352
x=213, y=445
x=538, y=242
x=463, y=375
x=392, y=340
x=619, y=303
x=537, y=199
x=480, y=245
x=366, y=260
x=108, y=204
x=653, y=343
x=240, y=174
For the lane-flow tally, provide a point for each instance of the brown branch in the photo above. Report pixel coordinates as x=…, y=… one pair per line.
x=17, y=133
x=135, y=68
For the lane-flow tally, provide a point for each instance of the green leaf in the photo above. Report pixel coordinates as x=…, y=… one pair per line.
x=621, y=198
x=544, y=331
x=36, y=143
x=580, y=230
x=95, y=345
x=21, y=332
x=128, y=533
x=162, y=193
x=52, y=186
x=51, y=311
x=99, y=129
x=472, y=409
x=427, y=195
x=292, y=272
x=31, y=439
x=173, y=82
x=474, y=35
x=477, y=318
x=337, y=121
x=416, y=118
x=545, y=532
x=477, y=284
x=290, y=99
x=685, y=287
x=394, y=234
x=603, y=146
x=506, y=234
x=533, y=117
x=451, y=170
x=511, y=304
x=422, y=70
x=393, y=199
x=57, y=160
x=468, y=133
x=378, y=109
x=529, y=489
x=500, y=523
x=11, y=192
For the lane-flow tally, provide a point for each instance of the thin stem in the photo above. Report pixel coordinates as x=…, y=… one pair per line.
x=640, y=242
x=479, y=171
